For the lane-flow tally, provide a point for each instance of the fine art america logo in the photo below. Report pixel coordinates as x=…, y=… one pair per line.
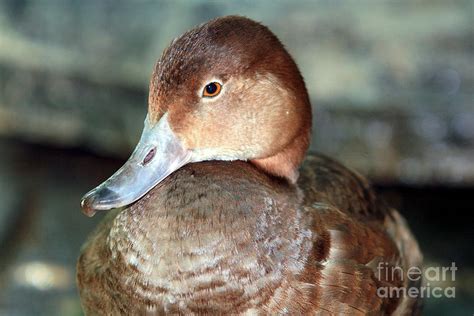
x=436, y=281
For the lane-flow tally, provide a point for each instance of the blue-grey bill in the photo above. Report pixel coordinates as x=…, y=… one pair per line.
x=158, y=154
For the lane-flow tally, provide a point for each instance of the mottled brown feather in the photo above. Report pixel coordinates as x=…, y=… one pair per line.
x=222, y=236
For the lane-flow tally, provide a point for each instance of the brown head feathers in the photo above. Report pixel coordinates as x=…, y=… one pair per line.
x=263, y=114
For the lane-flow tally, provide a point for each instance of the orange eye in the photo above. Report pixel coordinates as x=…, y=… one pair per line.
x=211, y=89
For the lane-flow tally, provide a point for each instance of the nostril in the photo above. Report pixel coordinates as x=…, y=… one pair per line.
x=149, y=156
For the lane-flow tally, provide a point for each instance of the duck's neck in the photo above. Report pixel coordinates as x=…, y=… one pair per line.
x=285, y=162
x=211, y=225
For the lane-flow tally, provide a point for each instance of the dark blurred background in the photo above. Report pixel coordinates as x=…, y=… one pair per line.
x=392, y=86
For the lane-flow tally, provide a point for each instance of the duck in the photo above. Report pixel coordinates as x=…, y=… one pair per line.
x=220, y=210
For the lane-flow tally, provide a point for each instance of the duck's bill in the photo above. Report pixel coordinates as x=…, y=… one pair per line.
x=156, y=156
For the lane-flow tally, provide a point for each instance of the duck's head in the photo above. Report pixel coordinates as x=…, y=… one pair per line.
x=225, y=90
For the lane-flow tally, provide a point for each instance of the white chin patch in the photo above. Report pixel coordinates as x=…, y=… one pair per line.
x=205, y=154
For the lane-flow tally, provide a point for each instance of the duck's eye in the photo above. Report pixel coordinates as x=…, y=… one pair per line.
x=212, y=89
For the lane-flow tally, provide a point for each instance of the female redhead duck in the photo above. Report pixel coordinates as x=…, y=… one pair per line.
x=215, y=212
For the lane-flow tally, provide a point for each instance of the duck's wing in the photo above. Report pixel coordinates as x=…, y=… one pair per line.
x=361, y=248
x=324, y=180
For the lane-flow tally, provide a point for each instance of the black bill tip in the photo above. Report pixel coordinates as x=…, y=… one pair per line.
x=97, y=199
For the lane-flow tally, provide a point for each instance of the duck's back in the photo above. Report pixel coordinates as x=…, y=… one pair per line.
x=361, y=249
